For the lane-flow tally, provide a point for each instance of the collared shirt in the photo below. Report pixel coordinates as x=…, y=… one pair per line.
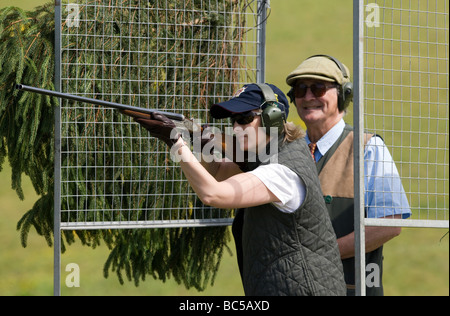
x=384, y=193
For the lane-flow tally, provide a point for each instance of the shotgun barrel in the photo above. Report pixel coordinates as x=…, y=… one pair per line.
x=119, y=106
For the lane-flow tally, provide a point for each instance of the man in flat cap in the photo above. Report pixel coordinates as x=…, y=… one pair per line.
x=322, y=91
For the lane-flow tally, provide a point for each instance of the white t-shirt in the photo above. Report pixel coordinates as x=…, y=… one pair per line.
x=284, y=183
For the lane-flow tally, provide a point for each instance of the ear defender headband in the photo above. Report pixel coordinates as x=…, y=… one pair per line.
x=274, y=113
x=345, y=90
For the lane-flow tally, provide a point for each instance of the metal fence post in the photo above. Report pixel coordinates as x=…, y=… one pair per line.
x=358, y=122
x=57, y=166
x=263, y=5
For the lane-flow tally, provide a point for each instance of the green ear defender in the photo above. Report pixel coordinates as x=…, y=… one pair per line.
x=346, y=89
x=274, y=114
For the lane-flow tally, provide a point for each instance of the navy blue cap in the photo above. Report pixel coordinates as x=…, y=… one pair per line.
x=248, y=98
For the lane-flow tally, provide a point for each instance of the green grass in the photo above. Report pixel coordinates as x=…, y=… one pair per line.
x=416, y=262
x=24, y=4
x=29, y=271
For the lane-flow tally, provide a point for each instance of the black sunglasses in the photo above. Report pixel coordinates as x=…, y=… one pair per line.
x=318, y=89
x=244, y=118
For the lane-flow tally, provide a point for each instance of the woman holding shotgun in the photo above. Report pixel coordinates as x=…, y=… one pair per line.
x=283, y=234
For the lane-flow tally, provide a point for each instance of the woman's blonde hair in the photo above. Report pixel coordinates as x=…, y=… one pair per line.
x=292, y=132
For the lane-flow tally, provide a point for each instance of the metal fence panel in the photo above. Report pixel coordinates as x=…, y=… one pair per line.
x=402, y=92
x=173, y=55
x=406, y=95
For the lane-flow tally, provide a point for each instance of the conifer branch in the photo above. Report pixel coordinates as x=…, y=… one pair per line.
x=191, y=256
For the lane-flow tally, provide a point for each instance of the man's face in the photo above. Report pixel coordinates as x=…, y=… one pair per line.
x=314, y=109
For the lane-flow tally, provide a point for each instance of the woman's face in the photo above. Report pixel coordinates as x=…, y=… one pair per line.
x=251, y=136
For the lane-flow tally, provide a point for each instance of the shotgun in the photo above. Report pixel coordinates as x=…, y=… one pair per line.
x=179, y=119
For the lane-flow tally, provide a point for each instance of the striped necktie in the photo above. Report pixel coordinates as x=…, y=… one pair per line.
x=312, y=148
